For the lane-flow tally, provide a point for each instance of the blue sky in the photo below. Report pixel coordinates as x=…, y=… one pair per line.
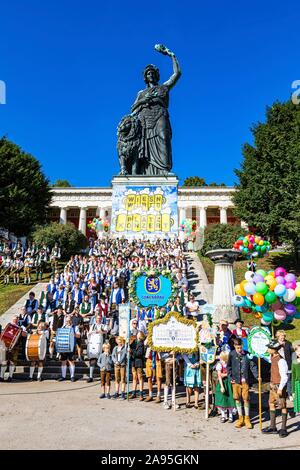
x=72, y=69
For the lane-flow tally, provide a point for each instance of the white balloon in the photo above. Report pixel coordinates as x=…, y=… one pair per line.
x=290, y=295
x=249, y=275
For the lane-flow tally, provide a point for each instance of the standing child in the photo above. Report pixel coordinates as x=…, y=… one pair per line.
x=192, y=378
x=296, y=379
x=223, y=395
x=278, y=389
x=239, y=367
x=138, y=362
x=119, y=356
x=106, y=364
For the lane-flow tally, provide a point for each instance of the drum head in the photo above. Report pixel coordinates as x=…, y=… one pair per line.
x=2, y=352
x=42, y=347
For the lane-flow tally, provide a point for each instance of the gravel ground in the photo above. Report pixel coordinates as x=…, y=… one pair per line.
x=51, y=415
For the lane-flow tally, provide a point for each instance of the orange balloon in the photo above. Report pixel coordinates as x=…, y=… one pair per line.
x=258, y=299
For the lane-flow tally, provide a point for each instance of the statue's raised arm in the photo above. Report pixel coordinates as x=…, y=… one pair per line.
x=176, y=68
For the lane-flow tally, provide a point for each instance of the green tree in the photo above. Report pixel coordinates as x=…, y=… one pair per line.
x=194, y=181
x=61, y=184
x=70, y=240
x=217, y=236
x=268, y=195
x=24, y=190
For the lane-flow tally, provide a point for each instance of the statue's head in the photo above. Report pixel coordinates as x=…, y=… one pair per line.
x=151, y=74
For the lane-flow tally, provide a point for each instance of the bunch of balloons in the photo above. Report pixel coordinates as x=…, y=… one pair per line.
x=96, y=224
x=188, y=227
x=252, y=246
x=272, y=296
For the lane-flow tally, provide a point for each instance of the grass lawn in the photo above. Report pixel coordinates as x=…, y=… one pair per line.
x=10, y=294
x=268, y=263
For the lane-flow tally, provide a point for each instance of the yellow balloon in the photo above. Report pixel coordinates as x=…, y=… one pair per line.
x=239, y=290
x=261, y=242
x=297, y=291
x=271, y=273
x=243, y=283
x=272, y=284
x=257, y=240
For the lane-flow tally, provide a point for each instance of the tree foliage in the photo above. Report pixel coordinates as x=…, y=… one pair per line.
x=217, y=236
x=194, y=181
x=70, y=240
x=197, y=181
x=268, y=195
x=24, y=190
x=59, y=183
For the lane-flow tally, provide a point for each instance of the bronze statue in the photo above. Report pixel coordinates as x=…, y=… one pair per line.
x=144, y=137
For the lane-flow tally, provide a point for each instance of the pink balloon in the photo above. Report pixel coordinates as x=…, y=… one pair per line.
x=280, y=272
x=291, y=285
x=280, y=315
x=280, y=280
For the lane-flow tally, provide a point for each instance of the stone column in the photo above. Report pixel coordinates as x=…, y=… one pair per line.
x=182, y=214
x=82, y=220
x=63, y=215
x=223, y=284
x=102, y=212
x=203, y=221
x=223, y=215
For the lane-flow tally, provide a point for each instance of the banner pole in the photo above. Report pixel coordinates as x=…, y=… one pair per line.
x=128, y=353
x=207, y=391
x=259, y=394
x=174, y=383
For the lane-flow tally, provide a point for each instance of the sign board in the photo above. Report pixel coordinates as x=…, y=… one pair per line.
x=257, y=342
x=124, y=318
x=207, y=355
x=153, y=290
x=150, y=211
x=208, y=309
x=173, y=333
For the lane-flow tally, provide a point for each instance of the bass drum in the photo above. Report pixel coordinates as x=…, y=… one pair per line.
x=94, y=345
x=36, y=346
x=2, y=352
x=65, y=340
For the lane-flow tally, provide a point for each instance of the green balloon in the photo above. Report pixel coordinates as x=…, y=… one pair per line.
x=261, y=288
x=270, y=297
x=261, y=272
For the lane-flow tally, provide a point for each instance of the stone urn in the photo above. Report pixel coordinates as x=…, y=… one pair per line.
x=224, y=284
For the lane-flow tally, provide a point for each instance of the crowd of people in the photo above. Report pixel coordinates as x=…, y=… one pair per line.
x=85, y=298
x=27, y=264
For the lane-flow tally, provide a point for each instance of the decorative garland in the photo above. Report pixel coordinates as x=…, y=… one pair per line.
x=150, y=272
x=176, y=349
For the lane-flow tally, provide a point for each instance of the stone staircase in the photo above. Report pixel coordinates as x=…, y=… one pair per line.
x=198, y=281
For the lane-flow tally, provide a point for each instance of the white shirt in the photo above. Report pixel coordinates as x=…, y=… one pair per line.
x=283, y=371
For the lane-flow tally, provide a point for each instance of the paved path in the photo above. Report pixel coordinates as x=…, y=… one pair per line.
x=55, y=415
x=7, y=316
x=199, y=284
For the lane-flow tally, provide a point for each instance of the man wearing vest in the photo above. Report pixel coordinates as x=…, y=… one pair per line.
x=31, y=304
x=117, y=295
x=279, y=378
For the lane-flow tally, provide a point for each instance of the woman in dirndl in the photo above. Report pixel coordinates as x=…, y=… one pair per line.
x=192, y=378
x=223, y=395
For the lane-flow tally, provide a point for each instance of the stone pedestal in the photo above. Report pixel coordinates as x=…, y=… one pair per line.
x=223, y=284
x=145, y=206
